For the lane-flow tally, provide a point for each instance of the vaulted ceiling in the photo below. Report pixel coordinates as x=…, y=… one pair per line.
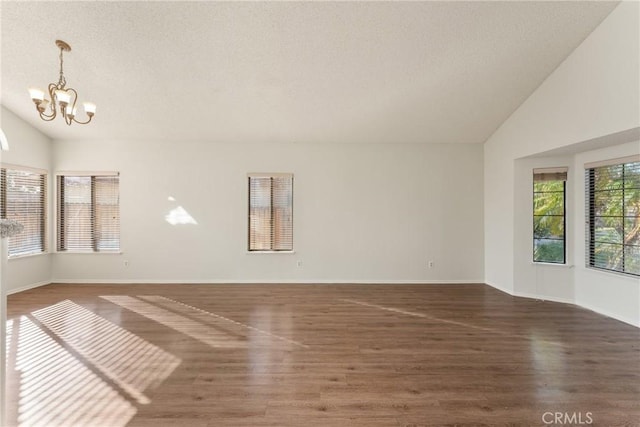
x=325, y=72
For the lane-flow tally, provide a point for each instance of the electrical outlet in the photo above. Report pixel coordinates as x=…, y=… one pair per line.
x=126, y=263
x=430, y=264
x=299, y=263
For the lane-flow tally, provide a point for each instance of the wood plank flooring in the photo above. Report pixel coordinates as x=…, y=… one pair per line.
x=313, y=355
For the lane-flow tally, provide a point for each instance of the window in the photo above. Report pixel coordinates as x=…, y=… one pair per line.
x=549, y=215
x=613, y=215
x=23, y=199
x=88, y=213
x=270, y=212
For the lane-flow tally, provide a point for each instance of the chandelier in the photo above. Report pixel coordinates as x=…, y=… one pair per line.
x=60, y=97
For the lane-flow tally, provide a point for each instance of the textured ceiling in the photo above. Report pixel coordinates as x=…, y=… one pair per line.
x=329, y=72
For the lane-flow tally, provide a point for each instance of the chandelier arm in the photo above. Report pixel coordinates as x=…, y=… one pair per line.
x=44, y=116
x=73, y=107
x=52, y=104
x=75, y=95
x=47, y=118
x=75, y=99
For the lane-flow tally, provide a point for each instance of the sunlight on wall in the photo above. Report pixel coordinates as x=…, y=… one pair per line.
x=179, y=216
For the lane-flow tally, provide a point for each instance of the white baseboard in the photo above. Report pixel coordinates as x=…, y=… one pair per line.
x=27, y=287
x=500, y=288
x=257, y=281
x=544, y=298
x=632, y=322
x=606, y=313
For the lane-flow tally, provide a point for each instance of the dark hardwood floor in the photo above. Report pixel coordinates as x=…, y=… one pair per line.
x=314, y=355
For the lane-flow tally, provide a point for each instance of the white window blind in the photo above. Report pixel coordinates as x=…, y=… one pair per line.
x=88, y=213
x=613, y=217
x=23, y=199
x=550, y=174
x=270, y=212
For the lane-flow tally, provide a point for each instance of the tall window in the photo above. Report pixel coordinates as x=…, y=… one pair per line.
x=23, y=195
x=88, y=213
x=270, y=212
x=549, y=215
x=613, y=215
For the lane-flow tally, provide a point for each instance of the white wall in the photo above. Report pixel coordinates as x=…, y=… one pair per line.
x=362, y=213
x=594, y=93
x=27, y=147
x=614, y=295
x=545, y=281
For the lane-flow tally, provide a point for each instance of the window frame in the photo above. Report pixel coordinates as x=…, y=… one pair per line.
x=550, y=174
x=60, y=205
x=271, y=250
x=44, y=226
x=590, y=210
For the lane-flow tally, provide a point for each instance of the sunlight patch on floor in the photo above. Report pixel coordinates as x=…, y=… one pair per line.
x=192, y=328
x=49, y=374
x=209, y=317
x=74, y=368
x=121, y=356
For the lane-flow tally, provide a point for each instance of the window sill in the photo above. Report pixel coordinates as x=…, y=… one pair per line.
x=613, y=272
x=270, y=252
x=90, y=253
x=23, y=256
x=551, y=264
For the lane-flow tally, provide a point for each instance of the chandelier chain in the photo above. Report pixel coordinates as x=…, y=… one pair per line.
x=62, y=82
